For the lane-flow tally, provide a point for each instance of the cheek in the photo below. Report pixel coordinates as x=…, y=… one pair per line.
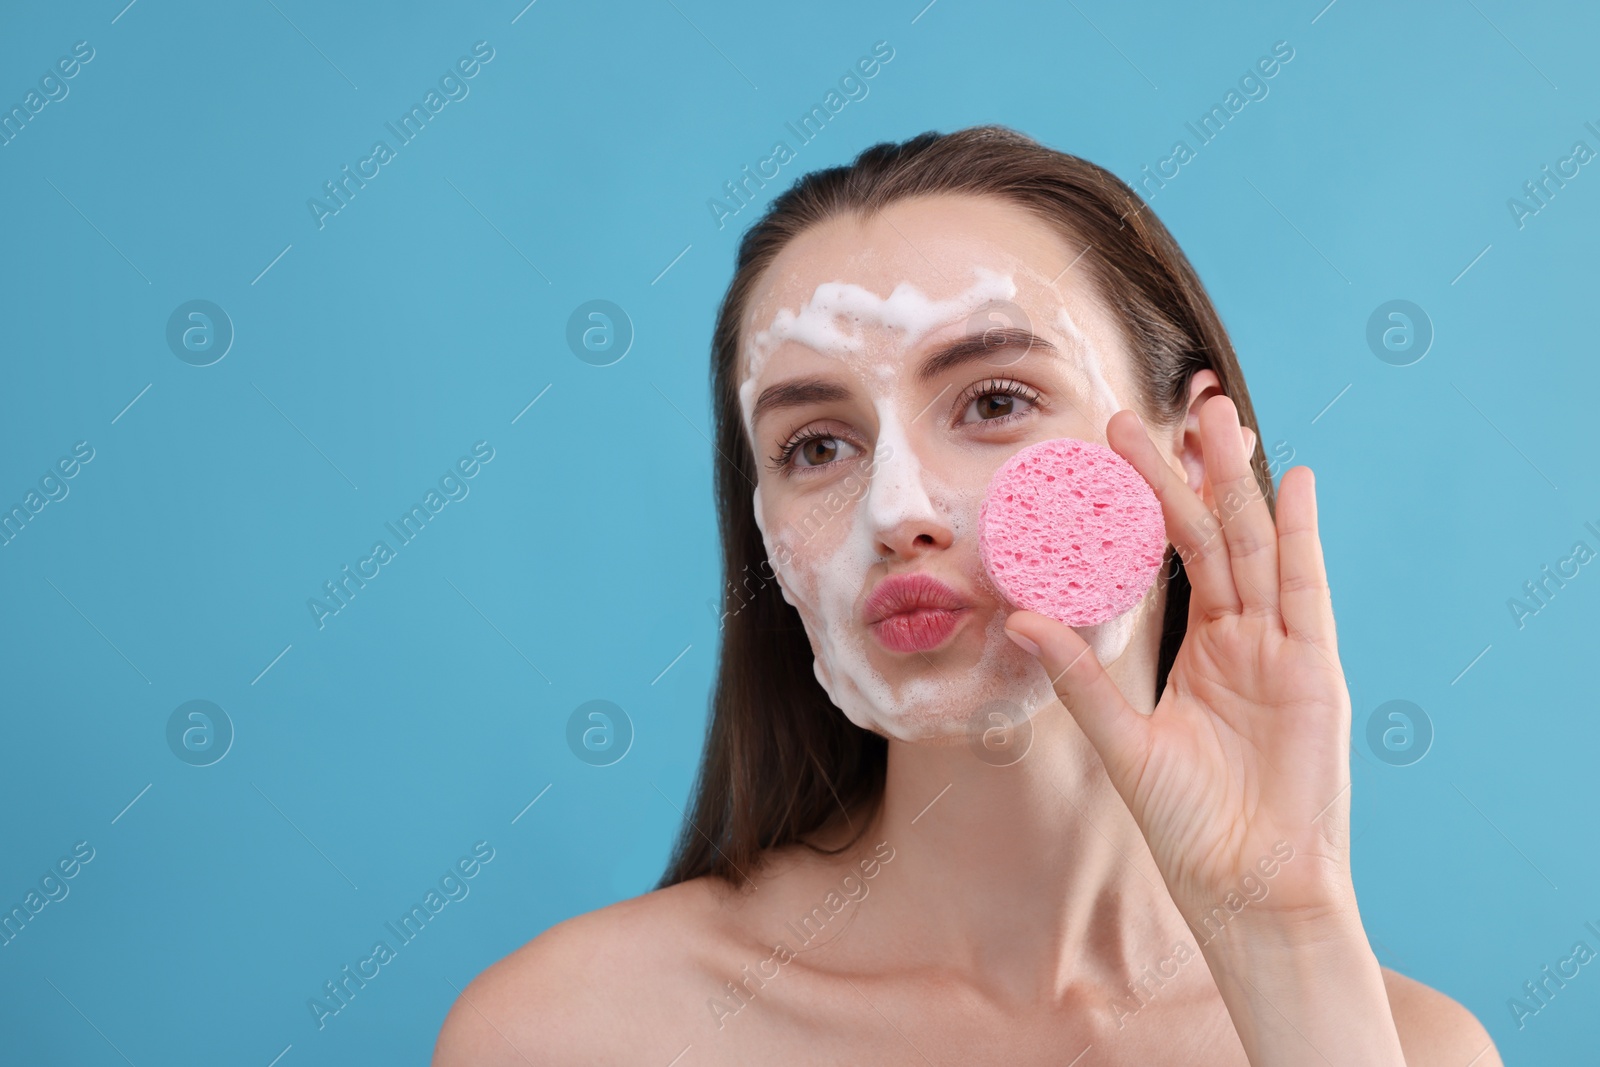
x=955, y=489
x=802, y=537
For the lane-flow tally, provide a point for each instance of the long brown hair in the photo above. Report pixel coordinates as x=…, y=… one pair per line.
x=780, y=759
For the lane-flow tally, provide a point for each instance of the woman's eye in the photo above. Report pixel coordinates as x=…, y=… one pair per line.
x=999, y=403
x=818, y=450
x=993, y=405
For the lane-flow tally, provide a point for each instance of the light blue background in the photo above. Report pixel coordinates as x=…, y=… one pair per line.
x=429, y=312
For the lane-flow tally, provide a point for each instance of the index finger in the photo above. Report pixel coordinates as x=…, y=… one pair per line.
x=1191, y=527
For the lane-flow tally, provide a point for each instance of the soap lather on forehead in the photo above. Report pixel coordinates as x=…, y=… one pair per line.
x=816, y=324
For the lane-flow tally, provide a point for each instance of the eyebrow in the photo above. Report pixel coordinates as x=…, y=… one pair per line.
x=972, y=348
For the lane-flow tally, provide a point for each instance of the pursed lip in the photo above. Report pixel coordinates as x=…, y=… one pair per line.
x=910, y=613
x=903, y=593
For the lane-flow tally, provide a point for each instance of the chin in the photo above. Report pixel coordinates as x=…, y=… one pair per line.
x=942, y=697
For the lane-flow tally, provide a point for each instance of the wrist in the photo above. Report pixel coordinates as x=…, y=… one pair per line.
x=1331, y=931
x=1290, y=983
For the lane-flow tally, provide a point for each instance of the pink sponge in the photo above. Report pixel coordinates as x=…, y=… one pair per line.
x=1071, y=530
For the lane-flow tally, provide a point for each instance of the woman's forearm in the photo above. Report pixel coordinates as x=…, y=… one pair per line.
x=1312, y=994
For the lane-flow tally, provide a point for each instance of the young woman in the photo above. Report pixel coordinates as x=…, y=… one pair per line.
x=929, y=829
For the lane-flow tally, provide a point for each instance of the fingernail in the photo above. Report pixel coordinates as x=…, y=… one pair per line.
x=1023, y=643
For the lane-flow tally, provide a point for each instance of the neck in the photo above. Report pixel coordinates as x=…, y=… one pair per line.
x=1033, y=877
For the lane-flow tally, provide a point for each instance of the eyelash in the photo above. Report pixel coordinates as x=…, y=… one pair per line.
x=782, y=462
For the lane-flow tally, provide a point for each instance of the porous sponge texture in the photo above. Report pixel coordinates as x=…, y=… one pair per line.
x=1071, y=530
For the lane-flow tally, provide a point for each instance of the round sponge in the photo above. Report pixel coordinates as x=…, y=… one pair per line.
x=1071, y=530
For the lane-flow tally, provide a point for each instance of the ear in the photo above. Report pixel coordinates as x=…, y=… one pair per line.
x=1202, y=387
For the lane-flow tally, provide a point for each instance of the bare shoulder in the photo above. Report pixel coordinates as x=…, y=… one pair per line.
x=599, y=987
x=1436, y=1029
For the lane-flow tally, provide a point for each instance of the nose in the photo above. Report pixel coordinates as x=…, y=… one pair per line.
x=903, y=518
x=908, y=539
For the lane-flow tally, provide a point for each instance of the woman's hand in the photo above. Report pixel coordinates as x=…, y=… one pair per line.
x=1245, y=756
x=1247, y=748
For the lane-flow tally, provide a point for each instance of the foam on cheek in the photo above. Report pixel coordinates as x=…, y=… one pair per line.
x=842, y=664
x=772, y=549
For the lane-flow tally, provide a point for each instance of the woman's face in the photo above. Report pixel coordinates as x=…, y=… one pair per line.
x=877, y=437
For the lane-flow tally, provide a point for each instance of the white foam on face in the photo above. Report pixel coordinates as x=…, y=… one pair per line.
x=822, y=568
x=1101, y=389
x=906, y=309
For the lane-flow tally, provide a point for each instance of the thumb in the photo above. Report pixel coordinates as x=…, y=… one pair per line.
x=1117, y=731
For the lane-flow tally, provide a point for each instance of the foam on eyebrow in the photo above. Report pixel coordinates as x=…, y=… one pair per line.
x=907, y=309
